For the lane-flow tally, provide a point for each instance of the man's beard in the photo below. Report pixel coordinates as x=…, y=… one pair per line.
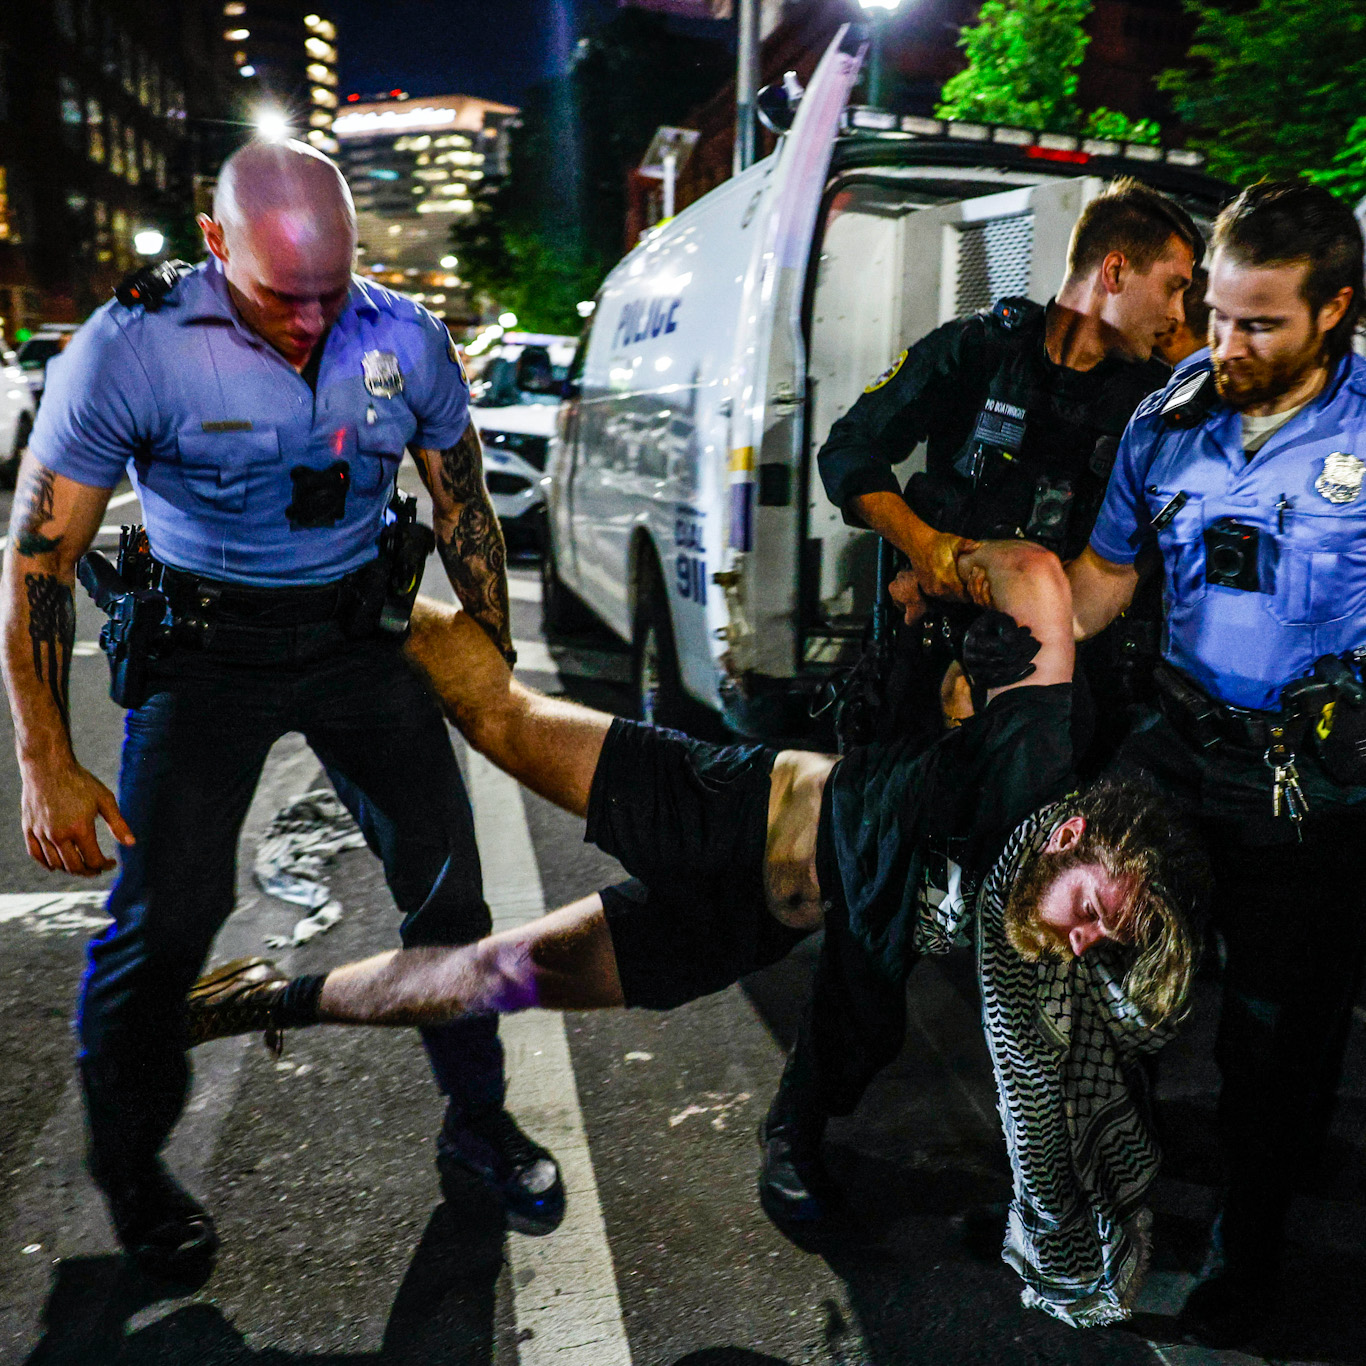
x=1026, y=933
x=1247, y=383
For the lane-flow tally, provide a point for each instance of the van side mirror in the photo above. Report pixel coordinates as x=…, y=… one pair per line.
x=571, y=388
x=776, y=104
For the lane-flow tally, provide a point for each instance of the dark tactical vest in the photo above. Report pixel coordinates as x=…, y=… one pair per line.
x=1038, y=458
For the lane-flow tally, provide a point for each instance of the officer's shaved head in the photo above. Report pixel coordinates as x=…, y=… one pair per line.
x=266, y=180
x=284, y=231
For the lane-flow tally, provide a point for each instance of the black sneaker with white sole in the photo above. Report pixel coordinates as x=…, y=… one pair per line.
x=489, y=1144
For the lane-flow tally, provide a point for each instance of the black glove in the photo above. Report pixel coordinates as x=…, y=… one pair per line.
x=997, y=650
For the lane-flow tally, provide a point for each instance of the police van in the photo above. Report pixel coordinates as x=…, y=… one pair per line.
x=516, y=379
x=684, y=505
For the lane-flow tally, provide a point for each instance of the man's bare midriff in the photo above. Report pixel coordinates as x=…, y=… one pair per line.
x=794, y=808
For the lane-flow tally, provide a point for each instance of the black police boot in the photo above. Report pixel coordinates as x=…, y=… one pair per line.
x=1237, y=1292
x=488, y=1143
x=795, y=1190
x=164, y=1230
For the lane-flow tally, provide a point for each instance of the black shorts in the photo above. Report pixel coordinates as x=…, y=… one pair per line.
x=689, y=822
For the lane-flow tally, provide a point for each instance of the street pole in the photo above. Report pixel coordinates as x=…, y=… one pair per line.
x=746, y=82
x=878, y=25
x=670, y=180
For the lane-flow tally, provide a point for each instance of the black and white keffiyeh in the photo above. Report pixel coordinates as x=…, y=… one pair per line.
x=1063, y=1040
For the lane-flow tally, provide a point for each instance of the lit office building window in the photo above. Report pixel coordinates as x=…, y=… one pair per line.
x=94, y=127
x=6, y=226
x=73, y=115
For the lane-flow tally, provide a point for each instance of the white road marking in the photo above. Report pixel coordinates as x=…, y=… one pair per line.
x=55, y=912
x=524, y=590
x=564, y=1286
x=122, y=500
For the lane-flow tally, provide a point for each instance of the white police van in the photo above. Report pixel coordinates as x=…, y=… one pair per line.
x=515, y=387
x=684, y=505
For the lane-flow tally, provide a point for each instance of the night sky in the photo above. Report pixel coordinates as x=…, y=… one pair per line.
x=489, y=48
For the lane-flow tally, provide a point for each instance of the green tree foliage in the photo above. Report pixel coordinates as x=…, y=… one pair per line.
x=1346, y=175
x=1273, y=88
x=543, y=239
x=1023, y=59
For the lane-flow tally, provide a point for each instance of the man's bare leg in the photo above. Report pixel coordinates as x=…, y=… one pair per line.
x=550, y=745
x=563, y=961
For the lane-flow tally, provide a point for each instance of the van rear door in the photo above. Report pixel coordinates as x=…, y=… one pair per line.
x=769, y=373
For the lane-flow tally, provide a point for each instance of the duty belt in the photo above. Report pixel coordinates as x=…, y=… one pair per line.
x=1206, y=722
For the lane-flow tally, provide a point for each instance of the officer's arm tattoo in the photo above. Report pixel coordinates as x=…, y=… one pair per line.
x=52, y=630
x=468, y=536
x=33, y=508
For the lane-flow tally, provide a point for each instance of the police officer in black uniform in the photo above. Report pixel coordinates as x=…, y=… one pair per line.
x=1021, y=408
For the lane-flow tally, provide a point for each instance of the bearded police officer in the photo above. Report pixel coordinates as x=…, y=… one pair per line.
x=1021, y=409
x=261, y=403
x=1247, y=472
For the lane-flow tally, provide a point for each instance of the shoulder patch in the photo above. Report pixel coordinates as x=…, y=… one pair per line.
x=888, y=374
x=453, y=351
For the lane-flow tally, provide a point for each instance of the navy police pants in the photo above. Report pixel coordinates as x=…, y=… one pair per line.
x=192, y=757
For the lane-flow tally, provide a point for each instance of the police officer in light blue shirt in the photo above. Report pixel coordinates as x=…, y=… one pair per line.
x=1246, y=475
x=261, y=404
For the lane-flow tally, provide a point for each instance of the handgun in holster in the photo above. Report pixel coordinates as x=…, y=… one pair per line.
x=138, y=630
x=384, y=593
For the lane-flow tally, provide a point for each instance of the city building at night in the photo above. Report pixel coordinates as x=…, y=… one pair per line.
x=104, y=107
x=415, y=166
x=283, y=60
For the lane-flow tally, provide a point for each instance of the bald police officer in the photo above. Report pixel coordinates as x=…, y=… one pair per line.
x=261, y=405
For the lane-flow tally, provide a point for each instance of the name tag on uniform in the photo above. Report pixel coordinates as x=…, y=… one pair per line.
x=229, y=426
x=383, y=378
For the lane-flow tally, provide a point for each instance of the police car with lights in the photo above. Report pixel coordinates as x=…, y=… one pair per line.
x=684, y=507
x=515, y=386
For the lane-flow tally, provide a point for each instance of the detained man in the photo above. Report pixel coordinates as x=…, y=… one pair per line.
x=1080, y=903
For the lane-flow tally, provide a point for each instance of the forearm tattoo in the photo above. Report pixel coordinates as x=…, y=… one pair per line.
x=52, y=629
x=33, y=508
x=471, y=547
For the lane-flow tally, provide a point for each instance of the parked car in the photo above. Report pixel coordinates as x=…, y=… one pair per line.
x=48, y=341
x=684, y=507
x=515, y=388
x=17, y=409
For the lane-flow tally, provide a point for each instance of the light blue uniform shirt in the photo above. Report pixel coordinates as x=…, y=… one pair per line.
x=209, y=420
x=1244, y=647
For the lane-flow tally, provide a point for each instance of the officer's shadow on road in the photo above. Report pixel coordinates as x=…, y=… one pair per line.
x=101, y=1312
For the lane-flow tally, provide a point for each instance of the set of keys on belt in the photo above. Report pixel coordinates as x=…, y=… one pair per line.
x=1287, y=796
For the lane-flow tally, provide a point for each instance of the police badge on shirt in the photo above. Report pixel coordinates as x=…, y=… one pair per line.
x=1340, y=481
x=383, y=378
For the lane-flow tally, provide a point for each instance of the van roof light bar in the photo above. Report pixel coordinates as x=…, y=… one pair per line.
x=1038, y=146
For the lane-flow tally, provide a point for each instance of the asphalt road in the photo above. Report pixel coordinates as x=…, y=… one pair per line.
x=337, y=1246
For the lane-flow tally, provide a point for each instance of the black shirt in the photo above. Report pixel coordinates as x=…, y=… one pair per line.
x=889, y=809
x=1072, y=423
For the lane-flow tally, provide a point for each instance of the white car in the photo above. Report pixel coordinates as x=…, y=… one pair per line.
x=515, y=388
x=17, y=409
x=48, y=342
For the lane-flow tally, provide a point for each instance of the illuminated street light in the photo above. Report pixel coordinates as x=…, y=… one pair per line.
x=878, y=12
x=148, y=242
x=507, y=320
x=449, y=262
x=246, y=70
x=584, y=308
x=272, y=125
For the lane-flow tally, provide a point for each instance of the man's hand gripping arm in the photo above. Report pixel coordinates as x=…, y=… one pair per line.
x=53, y=521
x=468, y=536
